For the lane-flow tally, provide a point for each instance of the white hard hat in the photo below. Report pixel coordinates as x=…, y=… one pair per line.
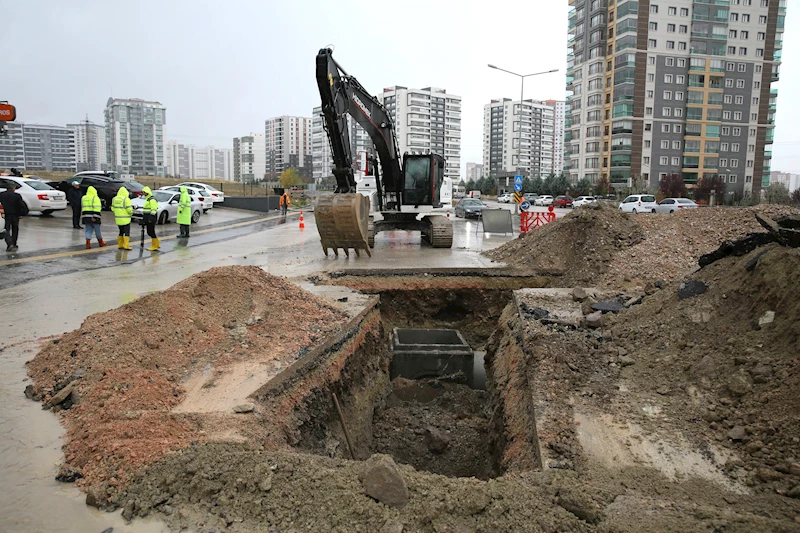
x=75, y=183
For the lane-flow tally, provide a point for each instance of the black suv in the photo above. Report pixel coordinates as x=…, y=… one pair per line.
x=107, y=187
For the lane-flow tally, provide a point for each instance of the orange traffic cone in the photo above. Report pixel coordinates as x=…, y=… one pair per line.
x=302, y=224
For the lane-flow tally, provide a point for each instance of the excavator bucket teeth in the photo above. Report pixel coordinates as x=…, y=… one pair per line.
x=342, y=221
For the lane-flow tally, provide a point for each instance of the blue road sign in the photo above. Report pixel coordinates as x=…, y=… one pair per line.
x=518, y=183
x=525, y=205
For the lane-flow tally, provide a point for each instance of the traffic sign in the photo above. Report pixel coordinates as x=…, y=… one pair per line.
x=8, y=113
x=518, y=183
x=517, y=197
x=525, y=205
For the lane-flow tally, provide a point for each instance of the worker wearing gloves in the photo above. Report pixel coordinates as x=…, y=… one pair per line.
x=184, y=213
x=150, y=216
x=122, y=208
x=91, y=208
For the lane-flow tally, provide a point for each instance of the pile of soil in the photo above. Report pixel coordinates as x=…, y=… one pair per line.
x=116, y=379
x=599, y=245
x=579, y=247
x=435, y=426
x=724, y=366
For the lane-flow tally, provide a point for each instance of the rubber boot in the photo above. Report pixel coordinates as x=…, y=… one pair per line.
x=88, y=244
x=119, y=242
x=101, y=242
x=126, y=243
x=155, y=246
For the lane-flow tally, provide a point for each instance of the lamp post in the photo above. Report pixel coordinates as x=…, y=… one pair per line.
x=521, y=93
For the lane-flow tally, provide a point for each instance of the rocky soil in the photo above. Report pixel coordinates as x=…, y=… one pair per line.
x=116, y=379
x=598, y=245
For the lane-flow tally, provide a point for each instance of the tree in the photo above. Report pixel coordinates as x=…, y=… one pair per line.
x=583, y=187
x=470, y=186
x=537, y=185
x=547, y=184
x=603, y=185
x=672, y=186
x=527, y=184
x=290, y=178
x=707, y=184
x=637, y=183
x=560, y=185
x=795, y=196
x=778, y=193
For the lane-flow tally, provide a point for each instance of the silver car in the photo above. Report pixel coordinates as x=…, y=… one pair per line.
x=670, y=205
x=167, y=206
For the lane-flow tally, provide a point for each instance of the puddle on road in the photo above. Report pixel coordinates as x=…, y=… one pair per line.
x=30, y=450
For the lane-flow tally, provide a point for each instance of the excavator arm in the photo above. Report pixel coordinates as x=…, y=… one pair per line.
x=341, y=95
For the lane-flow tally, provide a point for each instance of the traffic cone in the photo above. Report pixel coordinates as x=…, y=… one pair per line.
x=302, y=224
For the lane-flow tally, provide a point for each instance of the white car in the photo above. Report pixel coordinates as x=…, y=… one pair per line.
x=37, y=195
x=504, y=198
x=583, y=200
x=670, y=205
x=196, y=194
x=167, y=206
x=638, y=203
x=215, y=195
x=544, y=200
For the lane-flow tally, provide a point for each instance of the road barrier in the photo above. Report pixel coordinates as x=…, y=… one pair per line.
x=529, y=221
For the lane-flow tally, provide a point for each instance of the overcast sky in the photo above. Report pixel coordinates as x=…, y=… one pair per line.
x=223, y=67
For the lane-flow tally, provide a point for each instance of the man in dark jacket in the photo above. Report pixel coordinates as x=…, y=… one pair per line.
x=74, y=195
x=14, y=208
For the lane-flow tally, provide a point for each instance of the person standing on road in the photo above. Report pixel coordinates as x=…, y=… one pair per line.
x=150, y=217
x=14, y=207
x=74, y=196
x=284, y=202
x=185, y=213
x=91, y=208
x=123, y=209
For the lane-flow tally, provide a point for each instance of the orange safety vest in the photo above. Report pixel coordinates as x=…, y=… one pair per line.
x=284, y=199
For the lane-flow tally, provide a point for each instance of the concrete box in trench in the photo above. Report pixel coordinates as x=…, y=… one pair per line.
x=430, y=353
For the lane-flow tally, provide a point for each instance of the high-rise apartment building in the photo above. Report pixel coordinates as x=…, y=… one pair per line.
x=90, y=145
x=12, y=147
x=249, y=158
x=560, y=107
x=501, y=137
x=474, y=171
x=198, y=162
x=321, y=147
x=288, y=145
x=790, y=181
x=135, y=136
x=673, y=86
x=427, y=120
x=49, y=148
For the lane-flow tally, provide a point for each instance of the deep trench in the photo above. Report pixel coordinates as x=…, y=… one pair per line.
x=438, y=424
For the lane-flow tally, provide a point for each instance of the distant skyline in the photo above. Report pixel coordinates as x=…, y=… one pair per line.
x=223, y=68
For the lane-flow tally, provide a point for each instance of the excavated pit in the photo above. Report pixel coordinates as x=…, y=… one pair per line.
x=416, y=389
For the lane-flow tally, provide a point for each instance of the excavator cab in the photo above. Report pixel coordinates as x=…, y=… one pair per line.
x=422, y=179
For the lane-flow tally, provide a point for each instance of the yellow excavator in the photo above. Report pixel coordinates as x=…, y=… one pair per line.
x=406, y=191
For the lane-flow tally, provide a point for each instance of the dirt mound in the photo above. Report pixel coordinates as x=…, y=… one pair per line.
x=579, y=246
x=599, y=245
x=118, y=377
x=673, y=243
x=726, y=362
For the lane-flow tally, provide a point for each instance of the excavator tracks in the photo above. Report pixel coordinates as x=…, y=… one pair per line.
x=342, y=222
x=440, y=232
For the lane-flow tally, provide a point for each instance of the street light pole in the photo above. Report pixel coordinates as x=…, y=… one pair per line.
x=521, y=98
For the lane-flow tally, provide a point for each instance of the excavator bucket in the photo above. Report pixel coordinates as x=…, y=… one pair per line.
x=343, y=222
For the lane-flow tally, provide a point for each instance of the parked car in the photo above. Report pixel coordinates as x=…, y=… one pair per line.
x=196, y=194
x=38, y=196
x=670, y=205
x=531, y=197
x=474, y=194
x=583, y=200
x=562, y=201
x=106, y=187
x=167, y=206
x=544, y=200
x=504, y=198
x=469, y=207
x=215, y=195
x=638, y=203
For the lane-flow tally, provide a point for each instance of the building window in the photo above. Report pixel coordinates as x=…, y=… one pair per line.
x=651, y=60
x=680, y=79
x=684, y=11
x=648, y=110
x=732, y=34
x=751, y=147
x=754, y=117
x=731, y=50
x=729, y=83
x=670, y=61
x=647, y=143
x=667, y=95
x=755, y=100
x=673, y=11
x=664, y=160
x=723, y=163
x=759, y=52
x=676, y=161
x=676, y=145
x=739, y=99
x=666, y=111
x=744, y=34
x=732, y=178
x=762, y=19
x=758, y=69
x=683, y=28
x=650, y=94
x=652, y=43
x=734, y=147
x=646, y=160
x=670, y=45
x=648, y=126
x=651, y=77
x=742, y=67
x=653, y=8
x=737, y=115
x=756, y=85
x=653, y=26
x=726, y=115
x=752, y=132
x=671, y=27
x=734, y=163
x=742, y=51
x=667, y=78
x=679, y=95
x=681, y=45
x=678, y=128
x=681, y=62
x=665, y=128
x=734, y=17
x=723, y=147
x=749, y=163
